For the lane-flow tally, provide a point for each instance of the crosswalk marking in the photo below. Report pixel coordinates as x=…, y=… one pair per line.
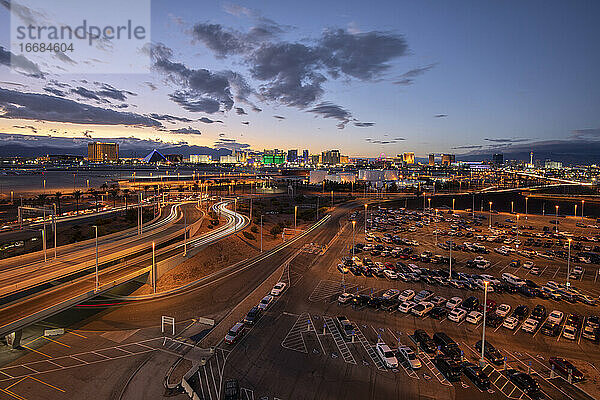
x=339, y=340
x=294, y=340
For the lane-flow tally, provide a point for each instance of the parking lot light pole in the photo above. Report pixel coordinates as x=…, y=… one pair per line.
x=366, y=205
x=482, y=360
x=261, y=229
x=490, y=216
x=556, y=221
x=436, y=229
x=517, y=231
x=526, y=198
x=450, y=276
x=575, y=213
x=96, y=228
x=569, y=262
x=295, y=214
x=353, y=224
x=429, y=202
x=512, y=207
x=582, y=202
x=453, y=200
x=153, y=268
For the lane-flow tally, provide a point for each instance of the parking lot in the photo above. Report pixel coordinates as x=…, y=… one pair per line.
x=301, y=339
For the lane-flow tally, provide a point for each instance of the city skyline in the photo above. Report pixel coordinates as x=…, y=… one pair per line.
x=400, y=77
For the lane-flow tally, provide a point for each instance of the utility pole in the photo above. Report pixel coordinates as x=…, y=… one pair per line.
x=96, y=287
x=54, y=223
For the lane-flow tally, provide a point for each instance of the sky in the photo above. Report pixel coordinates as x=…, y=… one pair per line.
x=363, y=77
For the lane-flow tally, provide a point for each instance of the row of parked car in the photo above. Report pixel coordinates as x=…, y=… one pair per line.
x=240, y=328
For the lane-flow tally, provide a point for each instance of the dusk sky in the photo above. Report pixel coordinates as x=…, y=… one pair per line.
x=367, y=77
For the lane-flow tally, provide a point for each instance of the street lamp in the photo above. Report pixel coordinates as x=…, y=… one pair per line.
x=295, y=213
x=96, y=228
x=153, y=268
x=353, y=224
x=575, y=213
x=436, y=229
x=261, y=229
x=569, y=262
x=582, y=202
x=450, y=273
x=453, y=200
x=490, y=216
x=429, y=202
x=485, y=285
x=512, y=207
x=517, y=231
x=556, y=220
x=526, y=198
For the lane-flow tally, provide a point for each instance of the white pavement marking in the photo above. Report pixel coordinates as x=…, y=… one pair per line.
x=368, y=347
x=294, y=339
x=339, y=340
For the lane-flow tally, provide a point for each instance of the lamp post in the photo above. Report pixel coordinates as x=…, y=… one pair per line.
x=261, y=229
x=512, y=207
x=295, y=214
x=485, y=285
x=366, y=205
x=582, y=203
x=490, y=216
x=96, y=228
x=569, y=263
x=453, y=200
x=44, y=242
x=450, y=273
x=517, y=231
x=436, y=230
x=556, y=220
x=526, y=216
x=429, y=202
x=575, y=213
x=353, y=224
x=153, y=268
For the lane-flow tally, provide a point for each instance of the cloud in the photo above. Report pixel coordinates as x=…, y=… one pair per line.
x=170, y=118
x=440, y=115
x=54, y=91
x=507, y=140
x=384, y=142
x=469, y=147
x=399, y=138
x=188, y=131
x=105, y=93
x=245, y=122
x=592, y=133
x=364, y=124
x=209, y=121
x=256, y=109
x=32, y=128
x=87, y=134
x=278, y=117
x=20, y=64
x=64, y=58
x=330, y=110
x=151, y=85
x=408, y=77
x=230, y=144
x=240, y=111
x=44, y=107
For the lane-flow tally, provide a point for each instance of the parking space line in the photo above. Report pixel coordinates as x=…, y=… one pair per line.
x=294, y=339
x=56, y=341
x=77, y=334
x=339, y=340
x=36, y=351
x=16, y=396
x=14, y=383
x=368, y=347
x=47, y=384
x=10, y=376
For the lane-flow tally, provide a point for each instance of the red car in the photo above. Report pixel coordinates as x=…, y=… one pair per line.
x=564, y=367
x=235, y=333
x=491, y=306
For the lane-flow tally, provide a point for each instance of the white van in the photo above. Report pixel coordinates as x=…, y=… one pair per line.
x=513, y=279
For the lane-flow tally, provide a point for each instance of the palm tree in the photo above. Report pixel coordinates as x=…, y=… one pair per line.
x=95, y=194
x=58, y=195
x=42, y=198
x=77, y=196
x=114, y=193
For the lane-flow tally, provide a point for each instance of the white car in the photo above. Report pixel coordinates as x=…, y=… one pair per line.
x=510, y=323
x=453, y=303
x=528, y=264
x=391, y=294
x=278, y=288
x=390, y=274
x=387, y=355
x=535, y=271
x=265, y=302
x=422, y=308
x=474, y=317
x=410, y=357
x=503, y=310
x=569, y=332
x=556, y=317
x=344, y=298
x=406, y=295
x=457, y=314
x=530, y=325
x=406, y=306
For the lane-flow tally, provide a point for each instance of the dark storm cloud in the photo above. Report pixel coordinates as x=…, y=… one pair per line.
x=408, y=77
x=170, y=118
x=364, y=124
x=20, y=64
x=210, y=121
x=50, y=108
x=188, y=131
x=200, y=90
x=240, y=111
x=330, y=110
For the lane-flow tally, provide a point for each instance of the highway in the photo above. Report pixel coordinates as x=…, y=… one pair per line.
x=64, y=293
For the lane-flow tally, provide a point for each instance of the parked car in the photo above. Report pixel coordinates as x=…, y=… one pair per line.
x=266, y=301
x=387, y=355
x=490, y=352
x=425, y=342
x=343, y=298
x=438, y=313
x=231, y=390
x=457, y=315
x=470, y=304
x=422, y=308
x=525, y=382
x=252, y=316
x=550, y=328
x=503, y=310
x=474, y=317
x=565, y=368
x=453, y=302
x=530, y=325
x=476, y=375
x=406, y=295
x=410, y=357
x=510, y=323
x=521, y=312
x=450, y=368
x=556, y=317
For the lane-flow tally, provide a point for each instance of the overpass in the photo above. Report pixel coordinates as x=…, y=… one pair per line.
x=64, y=284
